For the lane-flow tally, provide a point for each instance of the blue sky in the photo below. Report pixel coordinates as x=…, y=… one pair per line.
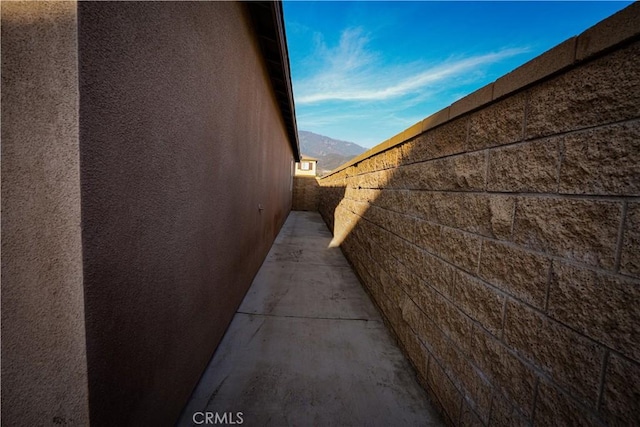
x=364, y=71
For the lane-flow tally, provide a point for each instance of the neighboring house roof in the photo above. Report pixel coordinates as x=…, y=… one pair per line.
x=303, y=157
x=268, y=23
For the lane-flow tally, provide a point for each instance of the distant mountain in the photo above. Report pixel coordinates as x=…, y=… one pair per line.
x=330, y=152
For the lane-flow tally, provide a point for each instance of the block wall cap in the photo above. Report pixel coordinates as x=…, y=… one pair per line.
x=550, y=62
x=476, y=99
x=614, y=30
x=436, y=119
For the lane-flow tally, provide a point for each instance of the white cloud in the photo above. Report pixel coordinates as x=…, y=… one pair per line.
x=351, y=72
x=351, y=92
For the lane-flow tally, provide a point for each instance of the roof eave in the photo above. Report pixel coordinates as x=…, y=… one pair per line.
x=267, y=17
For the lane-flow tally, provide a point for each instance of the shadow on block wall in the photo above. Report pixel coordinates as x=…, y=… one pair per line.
x=500, y=239
x=305, y=193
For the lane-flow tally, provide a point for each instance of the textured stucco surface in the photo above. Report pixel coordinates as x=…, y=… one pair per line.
x=44, y=369
x=181, y=140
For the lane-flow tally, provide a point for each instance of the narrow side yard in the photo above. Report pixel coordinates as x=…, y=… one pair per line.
x=308, y=347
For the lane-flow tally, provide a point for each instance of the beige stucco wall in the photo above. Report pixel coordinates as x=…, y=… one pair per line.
x=174, y=97
x=44, y=370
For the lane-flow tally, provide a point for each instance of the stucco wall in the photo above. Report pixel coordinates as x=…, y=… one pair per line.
x=44, y=369
x=500, y=238
x=181, y=140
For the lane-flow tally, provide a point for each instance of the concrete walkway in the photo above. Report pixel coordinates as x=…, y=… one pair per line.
x=307, y=347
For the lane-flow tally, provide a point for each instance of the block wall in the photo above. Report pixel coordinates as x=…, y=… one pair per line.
x=305, y=193
x=501, y=238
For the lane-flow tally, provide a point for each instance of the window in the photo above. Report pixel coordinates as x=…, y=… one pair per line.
x=305, y=166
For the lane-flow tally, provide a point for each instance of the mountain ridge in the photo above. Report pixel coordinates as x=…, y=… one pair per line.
x=330, y=152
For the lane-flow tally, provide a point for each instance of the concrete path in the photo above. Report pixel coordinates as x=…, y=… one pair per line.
x=307, y=347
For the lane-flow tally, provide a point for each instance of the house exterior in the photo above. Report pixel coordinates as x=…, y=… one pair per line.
x=307, y=166
x=129, y=233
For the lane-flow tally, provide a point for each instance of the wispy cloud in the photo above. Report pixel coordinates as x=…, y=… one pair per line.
x=351, y=91
x=350, y=71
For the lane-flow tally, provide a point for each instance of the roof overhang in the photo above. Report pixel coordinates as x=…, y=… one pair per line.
x=267, y=17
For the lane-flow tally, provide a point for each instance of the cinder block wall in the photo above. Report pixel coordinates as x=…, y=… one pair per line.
x=305, y=193
x=500, y=237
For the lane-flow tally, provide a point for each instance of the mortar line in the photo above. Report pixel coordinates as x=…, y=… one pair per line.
x=429, y=357
x=569, y=395
x=510, y=244
x=498, y=291
x=541, y=195
x=461, y=402
x=505, y=145
x=467, y=135
x=548, y=290
x=618, y=253
x=479, y=257
x=561, y=149
x=486, y=169
x=527, y=96
x=513, y=217
x=535, y=401
x=441, y=366
x=447, y=337
x=540, y=374
x=603, y=373
x=491, y=404
x=504, y=318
